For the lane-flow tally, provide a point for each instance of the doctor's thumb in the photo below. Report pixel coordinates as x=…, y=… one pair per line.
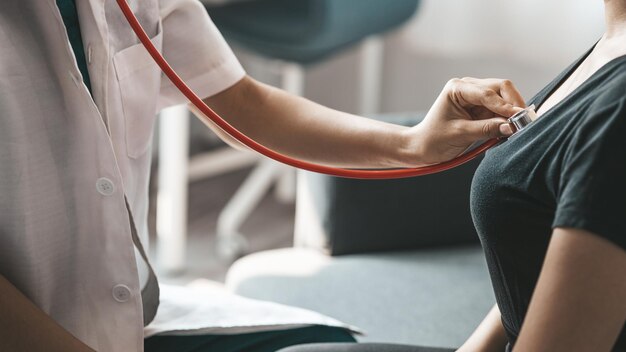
x=490, y=128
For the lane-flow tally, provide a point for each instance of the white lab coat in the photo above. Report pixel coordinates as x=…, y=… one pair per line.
x=67, y=160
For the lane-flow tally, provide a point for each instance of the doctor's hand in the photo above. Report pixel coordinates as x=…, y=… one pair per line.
x=466, y=111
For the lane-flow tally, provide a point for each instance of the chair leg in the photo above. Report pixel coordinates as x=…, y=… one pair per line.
x=292, y=82
x=308, y=228
x=293, y=78
x=285, y=191
x=372, y=53
x=230, y=243
x=172, y=188
x=218, y=162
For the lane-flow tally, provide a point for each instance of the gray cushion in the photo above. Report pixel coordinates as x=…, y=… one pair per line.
x=434, y=298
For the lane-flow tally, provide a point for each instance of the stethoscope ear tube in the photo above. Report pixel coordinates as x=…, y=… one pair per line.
x=232, y=131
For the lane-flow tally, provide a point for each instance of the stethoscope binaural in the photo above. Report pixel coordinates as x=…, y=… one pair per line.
x=517, y=121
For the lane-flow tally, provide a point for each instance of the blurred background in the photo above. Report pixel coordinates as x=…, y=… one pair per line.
x=528, y=42
x=387, y=59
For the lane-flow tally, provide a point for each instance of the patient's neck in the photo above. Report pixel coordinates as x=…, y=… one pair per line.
x=615, y=18
x=608, y=48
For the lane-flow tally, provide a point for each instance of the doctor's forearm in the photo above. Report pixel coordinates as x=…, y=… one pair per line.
x=24, y=327
x=306, y=130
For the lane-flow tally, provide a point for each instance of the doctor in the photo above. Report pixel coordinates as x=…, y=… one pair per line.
x=78, y=97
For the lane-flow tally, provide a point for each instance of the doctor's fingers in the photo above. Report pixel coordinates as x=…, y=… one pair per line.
x=471, y=131
x=469, y=95
x=481, y=113
x=504, y=87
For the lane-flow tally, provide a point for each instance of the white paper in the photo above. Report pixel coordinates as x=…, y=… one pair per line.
x=189, y=311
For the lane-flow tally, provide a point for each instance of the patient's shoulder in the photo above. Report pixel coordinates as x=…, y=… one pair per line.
x=611, y=95
x=613, y=89
x=606, y=114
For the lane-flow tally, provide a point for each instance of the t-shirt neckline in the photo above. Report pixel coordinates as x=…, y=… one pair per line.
x=540, y=99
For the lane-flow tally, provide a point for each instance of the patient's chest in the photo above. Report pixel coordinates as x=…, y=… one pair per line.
x=513, y=202
x=521, y=183
x=514, y=190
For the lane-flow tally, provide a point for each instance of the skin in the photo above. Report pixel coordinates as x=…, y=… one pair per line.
x=306, y=130
x=25, y=327
x=489, y=336
x=610, y=46
x=467, y=110
x=578, y=304
x=319, y=134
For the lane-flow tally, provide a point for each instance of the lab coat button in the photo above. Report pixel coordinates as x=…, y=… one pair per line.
x=105, y=186
x=121, y=293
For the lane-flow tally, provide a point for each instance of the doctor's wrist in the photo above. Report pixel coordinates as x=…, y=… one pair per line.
x=410, y=148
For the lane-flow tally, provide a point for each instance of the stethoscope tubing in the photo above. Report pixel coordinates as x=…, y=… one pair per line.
x=323, y=169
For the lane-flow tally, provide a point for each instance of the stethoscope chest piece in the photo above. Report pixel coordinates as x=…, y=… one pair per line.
x=523, y=118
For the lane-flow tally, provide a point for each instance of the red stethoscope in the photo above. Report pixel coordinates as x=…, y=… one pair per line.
x=518, y=121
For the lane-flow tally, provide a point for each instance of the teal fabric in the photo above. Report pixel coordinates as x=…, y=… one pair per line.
x=307, y=31
x=268, y=341
x=70, y=19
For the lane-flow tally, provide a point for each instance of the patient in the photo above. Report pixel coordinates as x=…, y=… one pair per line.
x=549, y=205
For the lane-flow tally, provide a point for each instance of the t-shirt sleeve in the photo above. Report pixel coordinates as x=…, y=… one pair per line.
x=196, y=50
x=592, y=189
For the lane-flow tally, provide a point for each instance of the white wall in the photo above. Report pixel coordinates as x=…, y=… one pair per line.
x=532, y=30
x=527, y=41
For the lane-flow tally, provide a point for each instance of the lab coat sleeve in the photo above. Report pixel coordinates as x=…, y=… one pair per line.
x=196, y=50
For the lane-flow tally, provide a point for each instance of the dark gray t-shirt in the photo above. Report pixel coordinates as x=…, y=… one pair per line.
x=567, y=169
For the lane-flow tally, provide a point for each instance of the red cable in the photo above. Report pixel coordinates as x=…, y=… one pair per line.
x=347, y=173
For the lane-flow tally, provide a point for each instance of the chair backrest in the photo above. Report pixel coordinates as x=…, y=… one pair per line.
x=305, y=31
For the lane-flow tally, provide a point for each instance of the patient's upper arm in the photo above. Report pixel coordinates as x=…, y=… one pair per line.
x=579, y=302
